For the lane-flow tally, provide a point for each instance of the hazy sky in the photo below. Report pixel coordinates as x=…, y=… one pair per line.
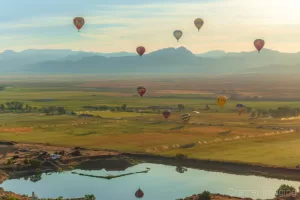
x=122, y=25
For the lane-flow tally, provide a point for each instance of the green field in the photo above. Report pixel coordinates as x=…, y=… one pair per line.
x=237, y=140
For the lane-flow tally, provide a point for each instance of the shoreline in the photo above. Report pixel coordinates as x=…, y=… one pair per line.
x=237, y=168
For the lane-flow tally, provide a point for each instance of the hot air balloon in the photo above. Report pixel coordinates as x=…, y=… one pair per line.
x=140, y=50
x=78, y=22
x=240, y=108
x=177, y=34
x=185, y=118
x=139, y=193
x=141, y=90
x=221, y=101
x=198, y=23
x=166, y=114
x=259, y=44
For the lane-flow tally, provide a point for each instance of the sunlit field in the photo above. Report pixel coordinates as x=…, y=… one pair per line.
x=218, y=134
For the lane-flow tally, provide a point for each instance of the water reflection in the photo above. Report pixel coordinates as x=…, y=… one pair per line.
x=33, y=178
x=181, y=169
x=161, y=182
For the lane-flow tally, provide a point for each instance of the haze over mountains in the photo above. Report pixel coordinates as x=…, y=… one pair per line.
x=168, y=60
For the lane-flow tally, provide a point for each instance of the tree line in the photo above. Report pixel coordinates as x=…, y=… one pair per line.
x=280, y=112
x=105, y=108
x=16, y=106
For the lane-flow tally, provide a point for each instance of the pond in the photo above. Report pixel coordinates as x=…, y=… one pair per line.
x=161, y=182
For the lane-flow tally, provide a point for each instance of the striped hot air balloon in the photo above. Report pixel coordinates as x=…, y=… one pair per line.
x=185, y=118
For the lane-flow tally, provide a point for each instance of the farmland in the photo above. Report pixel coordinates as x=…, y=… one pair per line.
x=218, y=134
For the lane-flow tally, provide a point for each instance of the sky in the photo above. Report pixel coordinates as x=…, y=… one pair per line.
x=122, y=25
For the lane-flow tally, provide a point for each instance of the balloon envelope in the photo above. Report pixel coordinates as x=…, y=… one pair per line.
x=139, y=193
x=221, y=101
x=177, y=34
x=240, y=108
x=140, y=50
x=198, y=23
x=78, y=22
x=185, y=118
x=166, y=114
x=141, y=90
x=259, y=44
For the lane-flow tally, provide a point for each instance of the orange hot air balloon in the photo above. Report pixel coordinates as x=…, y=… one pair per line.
x=139, y=193
x=259, y=44
x=166, y=114
x=78, y=22
x=141, y=90
x=140, y=50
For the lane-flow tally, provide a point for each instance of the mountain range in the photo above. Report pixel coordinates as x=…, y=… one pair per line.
x=168, y=60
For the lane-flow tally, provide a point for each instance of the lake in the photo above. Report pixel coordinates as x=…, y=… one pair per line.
x=160, y=183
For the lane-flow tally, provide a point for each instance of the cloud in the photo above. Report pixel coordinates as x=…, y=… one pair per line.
x=230, y=25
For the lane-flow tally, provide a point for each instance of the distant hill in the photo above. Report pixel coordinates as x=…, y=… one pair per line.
x=212, y=54
x=168, y=60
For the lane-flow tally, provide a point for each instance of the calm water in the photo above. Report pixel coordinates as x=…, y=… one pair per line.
x=160, y=183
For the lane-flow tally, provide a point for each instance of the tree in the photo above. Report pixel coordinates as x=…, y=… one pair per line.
x=61, y=110
x=258, y=112
x=35, y=163
x=89, y=197
x=2, y=87
x=180, y=107
x=284, y=190
x=205, y=195
x=2, y=107
x=14, y=105
x=249, y=109
x=124, y=106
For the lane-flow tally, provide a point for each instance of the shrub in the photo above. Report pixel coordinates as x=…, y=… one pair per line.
x=284, y=190
x=9, y=162
x=35, y=163
x=180, y=156
x=205, y=196
x=12, y=198
x=26, y=161
x=90, y=197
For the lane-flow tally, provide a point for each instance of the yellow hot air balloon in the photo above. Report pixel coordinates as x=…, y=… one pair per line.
x=221, y=101
x=198, y=23
x=177, y=34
